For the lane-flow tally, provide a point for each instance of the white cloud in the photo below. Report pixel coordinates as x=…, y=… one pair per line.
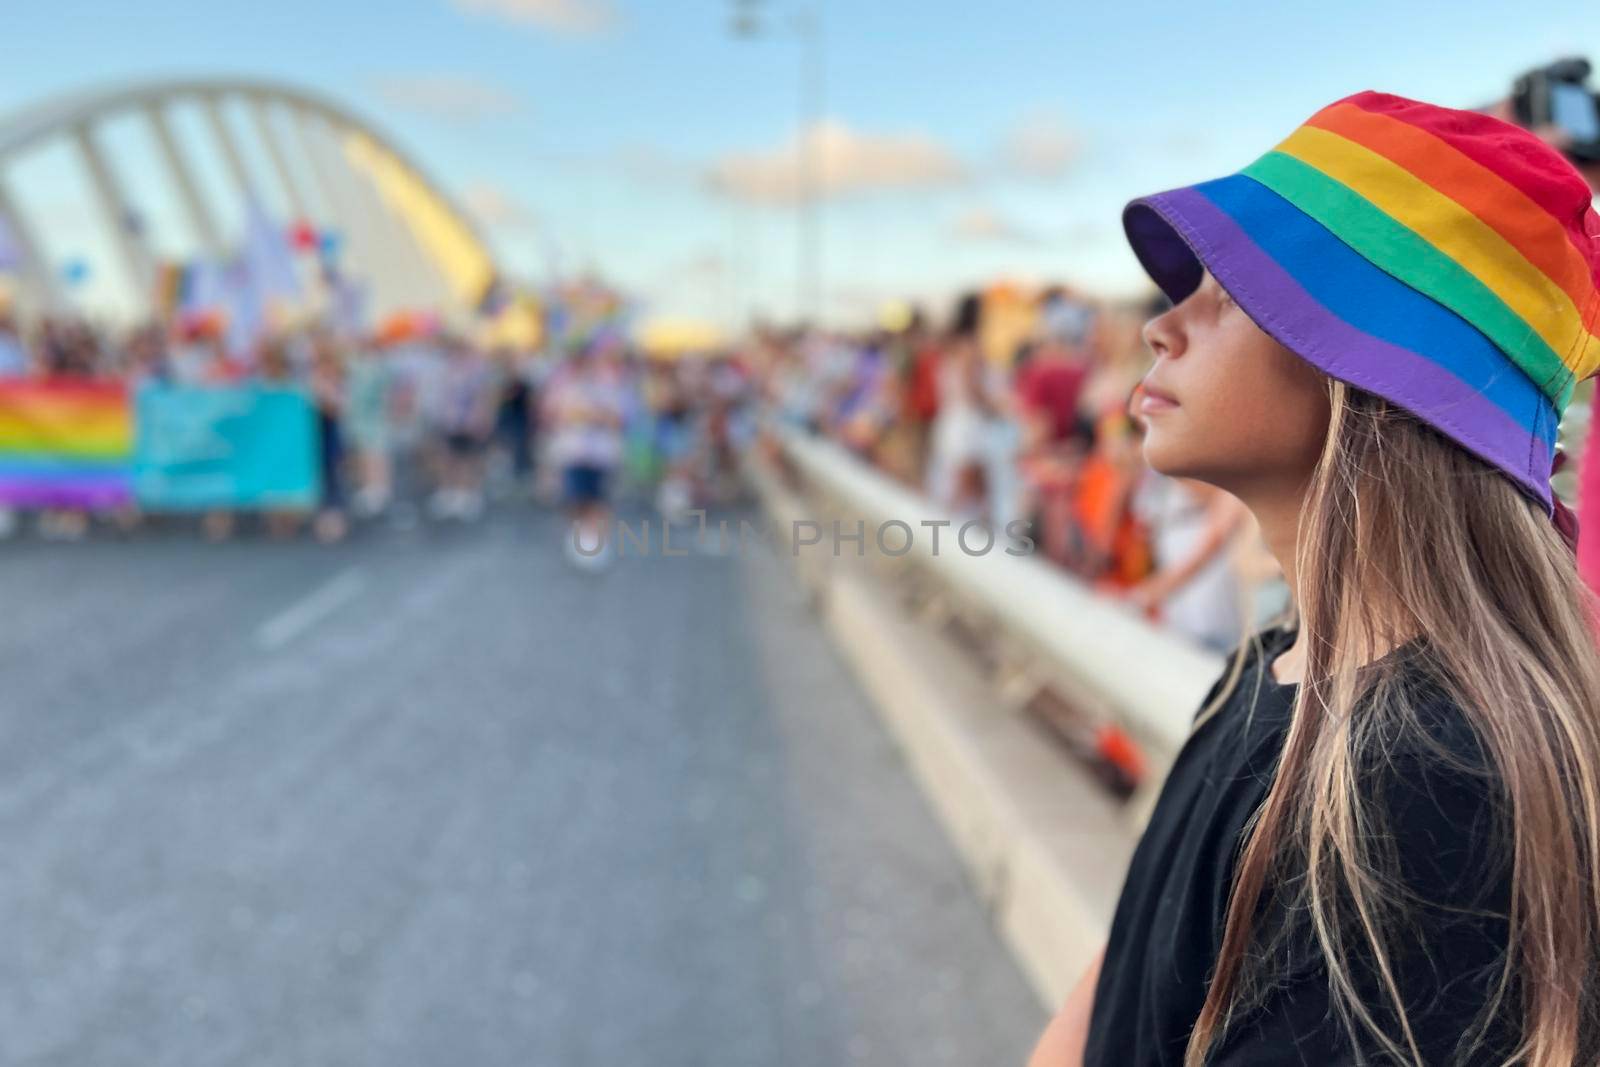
x=847, y=162
x=1041, y=146
x=450, y=97
x=496, y=209
x=562, y=16
x=984, y=224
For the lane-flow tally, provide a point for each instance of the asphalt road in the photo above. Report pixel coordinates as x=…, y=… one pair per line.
x=435, y=798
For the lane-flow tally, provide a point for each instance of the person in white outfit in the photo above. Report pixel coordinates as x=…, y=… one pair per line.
x=1195, y=589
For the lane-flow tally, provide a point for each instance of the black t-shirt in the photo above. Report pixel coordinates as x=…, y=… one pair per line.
x=1439, y=800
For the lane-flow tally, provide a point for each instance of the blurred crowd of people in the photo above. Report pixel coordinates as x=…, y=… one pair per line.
x=428, y=427
x=1034, y=424
x=1030, y=423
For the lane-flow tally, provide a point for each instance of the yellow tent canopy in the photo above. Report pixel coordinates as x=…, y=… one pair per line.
x=675, y=338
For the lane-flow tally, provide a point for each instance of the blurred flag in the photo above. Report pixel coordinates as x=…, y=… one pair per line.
x=245, y=301
x=204, y=289
x=268, y=258
x=65, y=444
x=303, y=236
x=329, y=246
x=349, y=306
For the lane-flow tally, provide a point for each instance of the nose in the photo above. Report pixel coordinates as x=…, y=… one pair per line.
x=1164, y=335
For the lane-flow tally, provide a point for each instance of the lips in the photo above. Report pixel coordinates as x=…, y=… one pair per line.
x=1160, y=394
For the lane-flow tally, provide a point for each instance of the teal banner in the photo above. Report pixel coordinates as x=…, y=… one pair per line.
x=247, y=447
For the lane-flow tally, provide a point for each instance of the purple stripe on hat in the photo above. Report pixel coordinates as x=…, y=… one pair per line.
x=1291, y=315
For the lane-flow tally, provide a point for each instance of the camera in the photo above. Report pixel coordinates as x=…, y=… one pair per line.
x=1558, y=95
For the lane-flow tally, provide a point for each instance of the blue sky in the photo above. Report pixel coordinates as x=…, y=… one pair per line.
x=972, y=140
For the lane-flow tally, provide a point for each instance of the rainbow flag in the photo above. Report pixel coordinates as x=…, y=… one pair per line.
x=66, y=444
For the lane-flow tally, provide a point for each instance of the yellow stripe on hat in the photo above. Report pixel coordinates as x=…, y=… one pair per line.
x=1457, y=233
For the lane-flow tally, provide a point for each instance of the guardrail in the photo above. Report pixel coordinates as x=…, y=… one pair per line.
x=1103, y=658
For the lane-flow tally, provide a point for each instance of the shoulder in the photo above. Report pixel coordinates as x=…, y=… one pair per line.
x=1439, y=800
x=1423, y=726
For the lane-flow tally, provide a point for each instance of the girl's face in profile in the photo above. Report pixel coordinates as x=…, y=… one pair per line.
x=1225, y=403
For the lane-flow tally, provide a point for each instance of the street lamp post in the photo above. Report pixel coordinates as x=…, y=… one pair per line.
x=749, y=22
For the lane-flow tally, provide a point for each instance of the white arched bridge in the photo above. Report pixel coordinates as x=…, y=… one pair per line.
x=400, y=235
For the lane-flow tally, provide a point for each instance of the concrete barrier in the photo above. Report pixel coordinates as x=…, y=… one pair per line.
x=1045, y=842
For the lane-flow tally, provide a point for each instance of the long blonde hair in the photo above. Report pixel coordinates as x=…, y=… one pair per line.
x=1404, y=534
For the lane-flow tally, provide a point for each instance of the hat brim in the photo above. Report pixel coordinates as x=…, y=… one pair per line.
x=1352, y=320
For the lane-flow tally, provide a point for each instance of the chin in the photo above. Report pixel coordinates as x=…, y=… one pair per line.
x=1166, y=456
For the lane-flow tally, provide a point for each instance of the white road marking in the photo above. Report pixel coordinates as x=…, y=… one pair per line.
x=311, y=609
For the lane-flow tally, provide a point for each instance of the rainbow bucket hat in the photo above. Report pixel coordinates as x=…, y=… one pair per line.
x=1444, y=260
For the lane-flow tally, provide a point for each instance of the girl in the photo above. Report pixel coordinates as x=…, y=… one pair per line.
x=1381, y=843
